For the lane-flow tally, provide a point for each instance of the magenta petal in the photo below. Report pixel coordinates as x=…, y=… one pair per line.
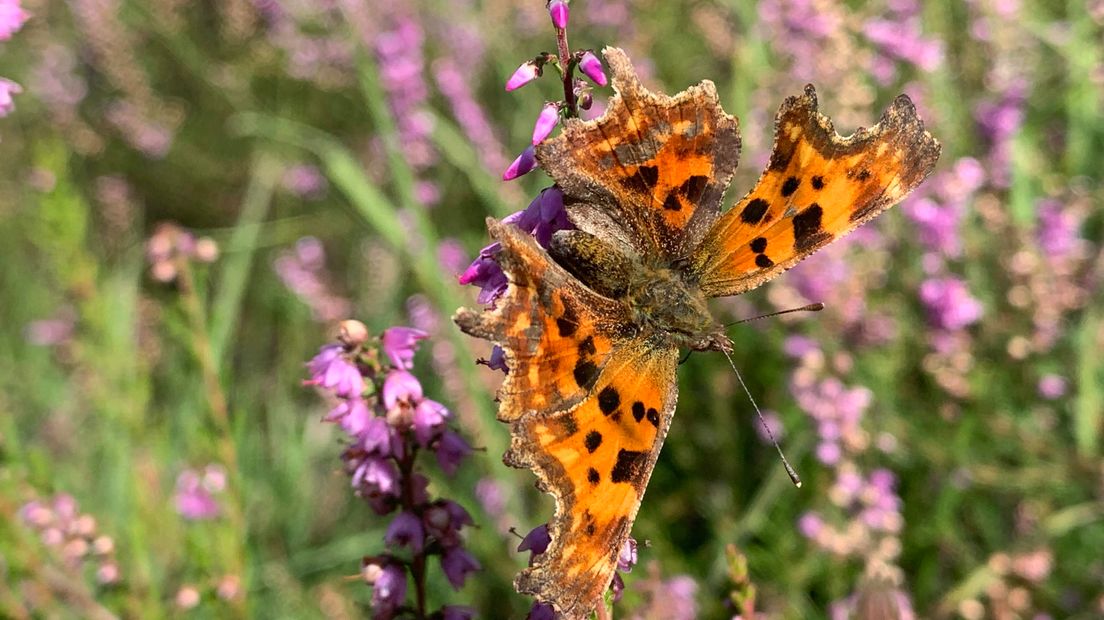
x=546, y=122
x=592, y=68
x=522, y=165
x=523, y=75
x=559, y=12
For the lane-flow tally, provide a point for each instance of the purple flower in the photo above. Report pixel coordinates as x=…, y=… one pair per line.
x=429, y=416
x=626, y=559
x=12, y=18
x=558, y=11
x=378, y=476
x=541, y=611
x=352, y=415
x=617, y=586
x=457, y=612
x=7, y=89
x=444, y=519
x=810, y=525
x=544, y=216
x=400, y=344
x=524, y=74
x=194, y=501
x=457, y=564
x=592, y=68
x=536, y=542
x=389, y=587
x=949, y=303
x=486, y=273
x=406, y=531
x=1057, y=229
x=331, y=370
x=522, y=165
x=546, y=122
x=451, y=450
x=400, y=386
x=497, y=361
x=377, y=437
x=1052, y=387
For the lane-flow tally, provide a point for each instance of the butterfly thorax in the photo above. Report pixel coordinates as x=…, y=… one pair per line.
x=664, y=303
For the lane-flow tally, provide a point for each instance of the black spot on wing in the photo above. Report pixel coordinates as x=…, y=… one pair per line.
x=693, y=188
x=671, y=203
x=593, y=440
x=653, y=416
x=586, y=347
x=759, y=245
x=586, y=373
x=609, y=399
x=638, y=410
x=808, y=231
x=789, y=186
x=754, y=211
x=569, y=424
x=818, y=182
x=763, y=261
x=567, y=322
x=630, y=467
x=593, y=477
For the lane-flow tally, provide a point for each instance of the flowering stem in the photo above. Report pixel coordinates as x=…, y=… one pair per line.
x=570, y=103
x=418, y=562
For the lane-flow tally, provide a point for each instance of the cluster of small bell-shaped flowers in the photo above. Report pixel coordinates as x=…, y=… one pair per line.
x=170, y=245
x=542, y=218
x=551, y=113
x=389, y=422
x=536, y=542
x=73, y=535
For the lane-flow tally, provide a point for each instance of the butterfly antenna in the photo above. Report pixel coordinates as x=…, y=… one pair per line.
x=817, y=307
x=785, y=463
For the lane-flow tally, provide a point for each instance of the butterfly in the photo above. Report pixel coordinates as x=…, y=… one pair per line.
x=592, y=326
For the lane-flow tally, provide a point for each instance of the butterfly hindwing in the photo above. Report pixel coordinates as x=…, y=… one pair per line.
x=596, y=459
x=817, y=187
x=556, y=333
x=652, y=170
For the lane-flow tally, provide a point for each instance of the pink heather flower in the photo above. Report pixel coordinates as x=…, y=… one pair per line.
x=352, y=414
x=331, y=370
x=524, y=74
x=400, y=344
x=810, y=525
x=376, y=437
x=12, y=18
x=487, y=274
x=1052, y=387
x=543, y=217
x=522, y=165
x=429, y=416
x=949, y=303
x=456, y=564
x=546, y=122
x=406, y=531
x=592, y=68
x=451, y=449
x=7, y=89
x=193, y=501
x=400, y=386
x=558, y=11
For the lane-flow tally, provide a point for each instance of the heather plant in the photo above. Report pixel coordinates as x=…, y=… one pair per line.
x=194, y=198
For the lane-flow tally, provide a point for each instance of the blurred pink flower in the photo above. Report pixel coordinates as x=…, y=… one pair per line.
x=12, y=18
x=7, y=89
x=194, y=499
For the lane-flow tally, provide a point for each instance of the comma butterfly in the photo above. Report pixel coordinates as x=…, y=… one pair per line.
x=592, y=327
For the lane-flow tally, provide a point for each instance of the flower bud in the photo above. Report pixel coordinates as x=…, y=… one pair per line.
x=522, y=165
x=546, y=122
x=592, y=68
x=524, y=74
x=558, y=10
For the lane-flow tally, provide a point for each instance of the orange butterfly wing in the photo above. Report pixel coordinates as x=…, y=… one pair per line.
x=589, y=402
x=596, y=460
x=556, y=333
x=818, y=187
x=652, y=170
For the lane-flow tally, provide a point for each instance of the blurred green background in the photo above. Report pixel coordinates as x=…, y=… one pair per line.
x=192, y=195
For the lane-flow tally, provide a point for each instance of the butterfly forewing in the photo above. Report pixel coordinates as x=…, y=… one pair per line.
x=818, y=187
